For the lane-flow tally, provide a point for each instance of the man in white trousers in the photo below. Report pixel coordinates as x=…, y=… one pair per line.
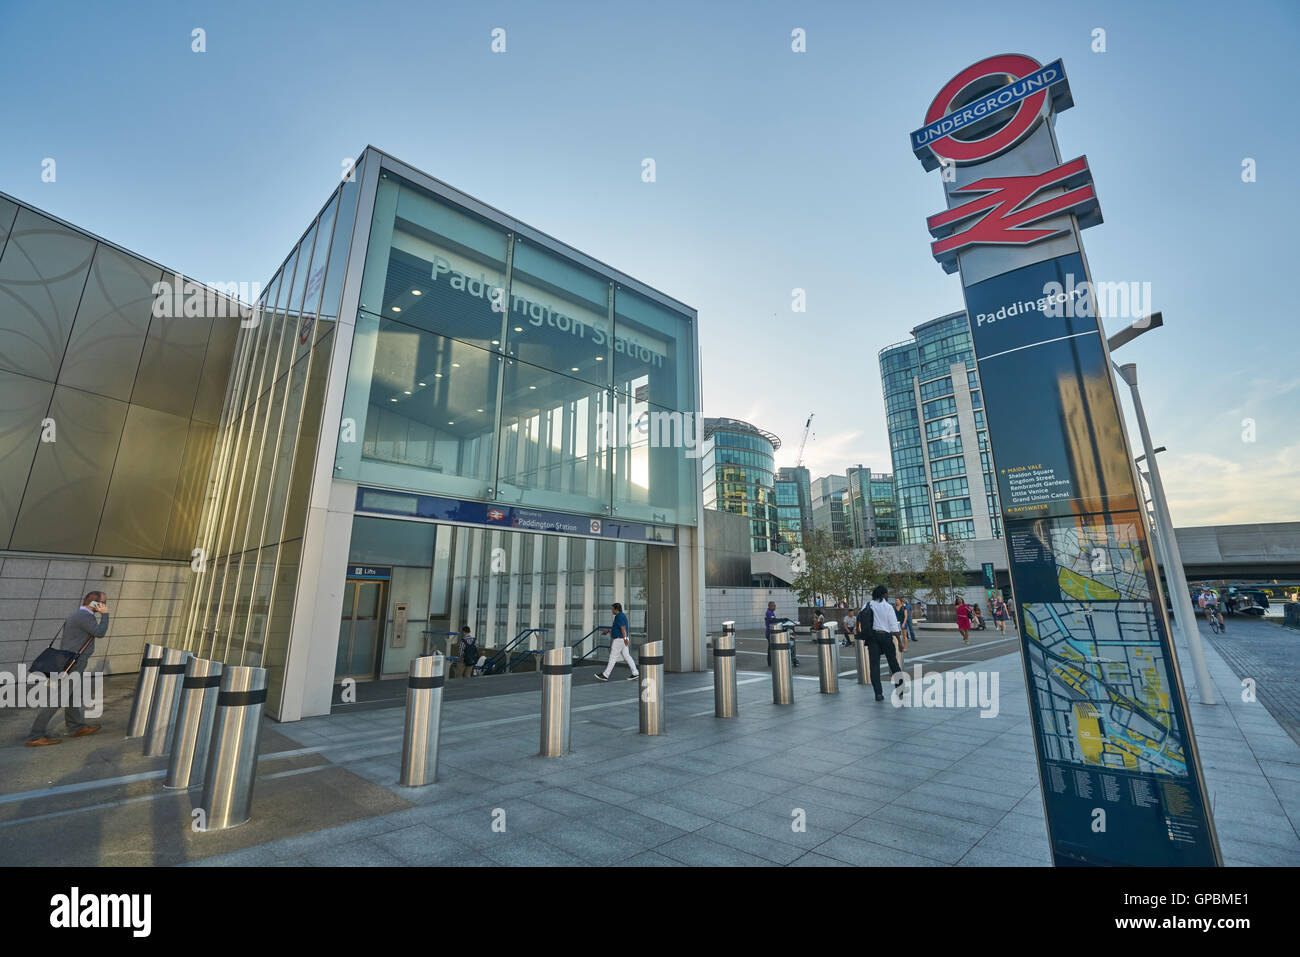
x=618, y=645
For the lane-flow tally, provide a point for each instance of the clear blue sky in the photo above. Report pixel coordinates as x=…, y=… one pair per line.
x=775, y=170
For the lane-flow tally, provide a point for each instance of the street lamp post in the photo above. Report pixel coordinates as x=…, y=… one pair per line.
x=1177, y=580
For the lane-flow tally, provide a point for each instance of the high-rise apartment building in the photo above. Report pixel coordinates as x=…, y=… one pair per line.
x=871, y=510
x=828, y=509
x=793, y=508
x=943, y=473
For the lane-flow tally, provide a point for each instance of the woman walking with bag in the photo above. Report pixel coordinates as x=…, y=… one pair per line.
x=963, y=620
x=1000, y=614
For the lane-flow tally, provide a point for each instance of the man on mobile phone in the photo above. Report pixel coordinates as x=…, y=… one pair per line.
x=79, y=633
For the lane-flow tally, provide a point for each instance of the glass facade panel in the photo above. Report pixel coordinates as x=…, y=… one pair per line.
x=555, y=441
x=434, y=266
x=217, y=360
x=431, y=406
x=340, y=246
x=42, y=274
x=8, y=212
x=191, y=486
x=111, y=325
x=298, y=321
x=653, y=358
x=69, y=479
x=559, y=316
x=24, y=402
x=148, y=466
x=296, y=382
x=654, y=471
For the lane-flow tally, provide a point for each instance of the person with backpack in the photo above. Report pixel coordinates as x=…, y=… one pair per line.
x=468, y=652
x=878, y=627
x=79, y=633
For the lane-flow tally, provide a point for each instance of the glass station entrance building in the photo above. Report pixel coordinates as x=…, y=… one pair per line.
x=442, y=417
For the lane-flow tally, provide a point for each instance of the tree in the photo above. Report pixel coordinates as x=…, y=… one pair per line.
x=954, y=560
x=866, y=575
x=816, y=576
x=945, y=571
x=934, y=577
x=899, y=576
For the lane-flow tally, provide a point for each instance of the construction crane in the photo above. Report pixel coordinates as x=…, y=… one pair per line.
x=806, y=427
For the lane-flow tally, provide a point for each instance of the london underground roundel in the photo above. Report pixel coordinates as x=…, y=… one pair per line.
x=1024, y=114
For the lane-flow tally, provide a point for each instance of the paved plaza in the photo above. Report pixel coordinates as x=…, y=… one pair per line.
x=831, y=780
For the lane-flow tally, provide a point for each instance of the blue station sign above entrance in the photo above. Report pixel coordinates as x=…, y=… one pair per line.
x=412, y=505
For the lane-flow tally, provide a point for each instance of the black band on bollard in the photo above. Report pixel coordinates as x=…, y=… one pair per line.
x=724, y=652
x=151, y=663
x=427, y=681
x=778, y=645
x=659, y=660
x=557, y=669
x=825, y=641
x=172, y=669
x=202, y=681
x=240, y=699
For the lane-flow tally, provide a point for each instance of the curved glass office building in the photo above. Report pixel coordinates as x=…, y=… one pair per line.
x=447, y=418
x=739, y=476
x=938, y=437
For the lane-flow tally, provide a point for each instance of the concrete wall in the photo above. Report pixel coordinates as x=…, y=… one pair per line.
x=1269, y=548
x=37, y=594
x=745, y=606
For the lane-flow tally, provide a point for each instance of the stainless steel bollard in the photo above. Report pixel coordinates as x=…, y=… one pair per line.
x=144, y=686
x=232, y=758
x=782, y=679
x=724, y=672
x=557, y=681
x=863, y=652
x=651, y=662
x=828, y=661
x=161, y=725
x=193, y=733
x=423, y=721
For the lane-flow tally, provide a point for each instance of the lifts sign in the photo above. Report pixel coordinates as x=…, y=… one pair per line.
x=1119, y=773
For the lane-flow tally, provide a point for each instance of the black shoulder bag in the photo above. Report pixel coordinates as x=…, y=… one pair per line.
x=52, y=661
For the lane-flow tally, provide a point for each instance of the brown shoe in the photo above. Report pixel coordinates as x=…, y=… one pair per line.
x=88, y=729
x=42, y=742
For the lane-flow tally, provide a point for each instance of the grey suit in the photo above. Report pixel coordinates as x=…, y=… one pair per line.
x=78, y=627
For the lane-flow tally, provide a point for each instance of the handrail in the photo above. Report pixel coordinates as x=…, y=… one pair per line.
x=575, y=645
x=491, y=666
